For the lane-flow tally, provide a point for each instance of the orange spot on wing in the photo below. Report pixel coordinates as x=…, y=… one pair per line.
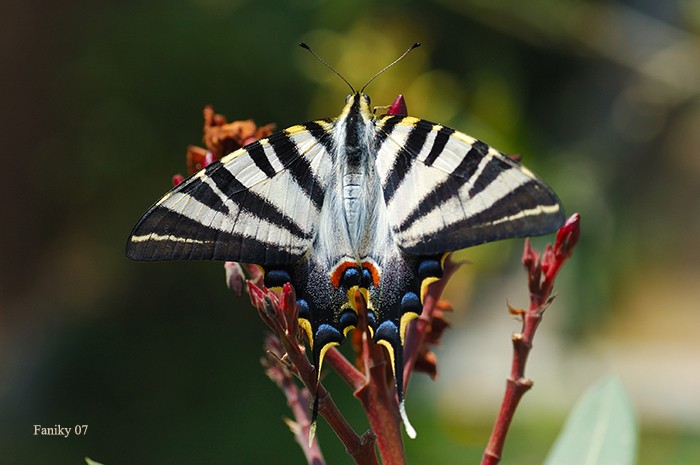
x=336, y=273
x=371, y=266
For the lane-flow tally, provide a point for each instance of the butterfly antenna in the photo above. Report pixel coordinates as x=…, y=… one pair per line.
x=305, y=46
x=416, y=45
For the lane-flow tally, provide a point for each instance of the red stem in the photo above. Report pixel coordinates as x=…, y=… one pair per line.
x=360, y=448
x=297, y=399
x=381, y=408
x=351, y=375
x=375, y=392
x=542, y=271
x=415, y=335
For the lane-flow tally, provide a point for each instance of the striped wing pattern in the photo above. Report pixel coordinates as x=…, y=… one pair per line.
x=446, y=191
x=355, y=203
x=260, y=204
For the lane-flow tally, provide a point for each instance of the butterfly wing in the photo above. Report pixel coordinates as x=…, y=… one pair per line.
x=446, y=191
x=443, y=191
x=259, y=204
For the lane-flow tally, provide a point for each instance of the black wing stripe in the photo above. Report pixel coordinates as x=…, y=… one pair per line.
x=187, y=238
x=470, y=163
x=386, y=129
x=321, y=135
x=257, y=154
x=404, y=159
x=204, y=194
x=441, y=139
x=252, y=202
x=486, y=226
x=288, y=154
x=449, y=188
x=491, y=171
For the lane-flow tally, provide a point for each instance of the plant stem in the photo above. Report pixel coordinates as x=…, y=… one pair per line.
x=516, y=386
x=373, y=390
x=361, y=448
x=382, y=411
x=282, y=320
x=377, y=397
x=298, y=401
x=542, y=271
x=417, y=331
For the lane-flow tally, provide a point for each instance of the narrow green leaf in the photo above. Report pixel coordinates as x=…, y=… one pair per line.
x=89, y=461
x=601, y=429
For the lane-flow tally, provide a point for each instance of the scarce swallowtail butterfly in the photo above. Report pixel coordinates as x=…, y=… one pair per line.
x=358, y=202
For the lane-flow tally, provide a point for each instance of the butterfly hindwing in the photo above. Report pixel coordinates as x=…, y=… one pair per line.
x=260, y=204
x=446, y=191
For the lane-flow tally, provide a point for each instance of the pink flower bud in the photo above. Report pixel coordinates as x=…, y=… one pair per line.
x=209, y=158
x=235, y=277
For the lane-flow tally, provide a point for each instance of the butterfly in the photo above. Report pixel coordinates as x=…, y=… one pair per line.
x=359, y=202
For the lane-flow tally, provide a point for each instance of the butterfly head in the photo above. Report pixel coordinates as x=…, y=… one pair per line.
x=357, y=103
x=359, y=97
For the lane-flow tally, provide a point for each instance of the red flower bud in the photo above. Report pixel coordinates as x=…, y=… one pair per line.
x=288, y=305
x=567, y=237
x=256, y=294
x=398, y=107
x=548, y=259
x=530, y=256
x=177, y=179
x=288, y=298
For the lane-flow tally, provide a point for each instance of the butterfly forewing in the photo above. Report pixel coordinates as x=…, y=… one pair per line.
x=260, y=204
x=445, y=190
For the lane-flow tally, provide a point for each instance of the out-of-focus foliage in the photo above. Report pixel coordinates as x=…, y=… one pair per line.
x=101, y=99
x=601, y=429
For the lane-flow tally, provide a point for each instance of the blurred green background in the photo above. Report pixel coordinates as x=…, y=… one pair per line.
x=100, y=100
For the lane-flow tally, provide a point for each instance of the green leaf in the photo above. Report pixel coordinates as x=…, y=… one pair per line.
x=89, y=461
x=601, y=430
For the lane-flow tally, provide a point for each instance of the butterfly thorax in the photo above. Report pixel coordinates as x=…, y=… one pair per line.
x=356, y=170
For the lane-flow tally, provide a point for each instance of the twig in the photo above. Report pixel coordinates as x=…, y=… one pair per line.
x=417, y=332
x=542, y=272
x=377, y=395
x=373, y=389
x=297, y=399
x=281, y=318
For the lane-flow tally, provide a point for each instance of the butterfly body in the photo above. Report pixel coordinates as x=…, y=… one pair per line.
x=357, y=203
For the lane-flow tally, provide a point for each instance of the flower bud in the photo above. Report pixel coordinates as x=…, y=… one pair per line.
x=567, y=237
x=398, y=107
x=177, y=179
